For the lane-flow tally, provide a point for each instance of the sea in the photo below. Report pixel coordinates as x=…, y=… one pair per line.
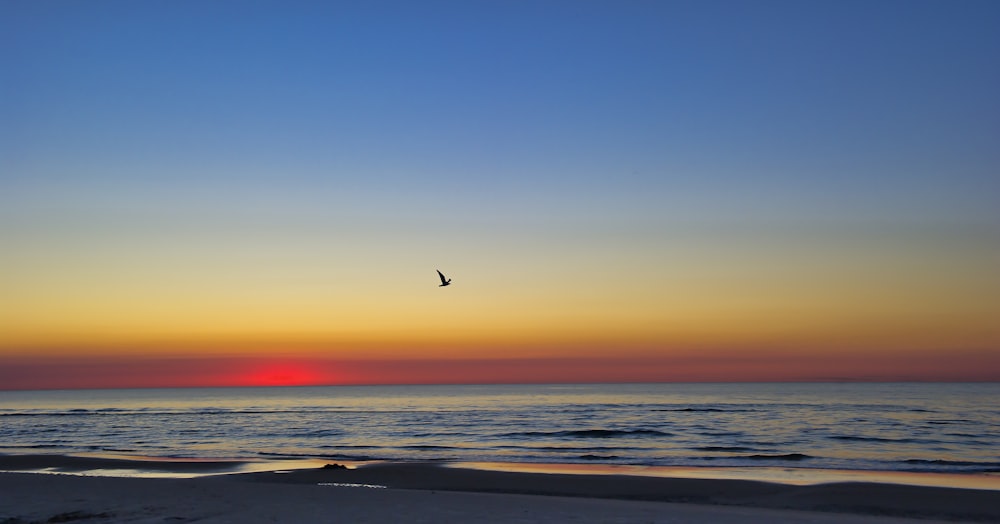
x=909, y=427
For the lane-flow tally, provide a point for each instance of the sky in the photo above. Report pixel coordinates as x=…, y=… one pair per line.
x=259, y=193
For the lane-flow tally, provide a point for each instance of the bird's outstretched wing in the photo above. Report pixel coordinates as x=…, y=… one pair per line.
x=441, y=275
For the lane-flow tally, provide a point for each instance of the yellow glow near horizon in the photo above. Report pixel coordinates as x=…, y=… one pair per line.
x=701, y=296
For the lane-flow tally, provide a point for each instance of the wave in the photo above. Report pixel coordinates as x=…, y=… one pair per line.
x=36, y=446
x=348, y=448
x=712, y=433
x=447, y=434
x=706, y=410
x=787, y=456
x=312, y=433
x=570, y=449
x=598, y=457
x=209, y=411
x=854, y=438
x=594, y=433
x=324, y=456
x=967, y=435
x=958, y=463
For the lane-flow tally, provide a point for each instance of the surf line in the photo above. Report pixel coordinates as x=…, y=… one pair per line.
x=351, y=485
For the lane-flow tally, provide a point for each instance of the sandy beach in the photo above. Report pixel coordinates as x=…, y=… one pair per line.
x=396, y=492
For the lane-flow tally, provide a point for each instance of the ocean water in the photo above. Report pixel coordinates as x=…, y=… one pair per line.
x=890, y=427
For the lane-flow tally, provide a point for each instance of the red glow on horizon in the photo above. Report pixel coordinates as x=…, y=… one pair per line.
x=122, y=372
x=285, y=373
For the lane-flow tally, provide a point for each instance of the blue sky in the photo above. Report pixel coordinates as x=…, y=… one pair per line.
x=887, y=106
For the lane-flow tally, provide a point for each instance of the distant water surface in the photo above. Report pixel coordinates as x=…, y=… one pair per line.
x=892, y=427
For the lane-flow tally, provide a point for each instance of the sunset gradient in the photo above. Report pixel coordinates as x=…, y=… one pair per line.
x=230, y=194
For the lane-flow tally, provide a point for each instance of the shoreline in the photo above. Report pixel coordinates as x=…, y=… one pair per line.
x=114, y=465
x=108, y=480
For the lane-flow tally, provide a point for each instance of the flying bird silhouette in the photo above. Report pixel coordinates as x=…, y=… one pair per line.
x=444, y=281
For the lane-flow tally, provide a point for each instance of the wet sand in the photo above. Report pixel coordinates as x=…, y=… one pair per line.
x=432, y=493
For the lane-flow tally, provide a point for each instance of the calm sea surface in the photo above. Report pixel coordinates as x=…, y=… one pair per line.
x=899, y=427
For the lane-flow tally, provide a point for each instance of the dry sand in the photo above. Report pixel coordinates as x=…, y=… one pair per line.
x=426, y=493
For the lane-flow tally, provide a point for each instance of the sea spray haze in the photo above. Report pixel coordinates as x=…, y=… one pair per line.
x=899, y=426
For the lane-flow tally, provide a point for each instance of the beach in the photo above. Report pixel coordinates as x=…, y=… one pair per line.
x=415, y=492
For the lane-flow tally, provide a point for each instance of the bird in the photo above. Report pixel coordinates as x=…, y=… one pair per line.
x=444, y=281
